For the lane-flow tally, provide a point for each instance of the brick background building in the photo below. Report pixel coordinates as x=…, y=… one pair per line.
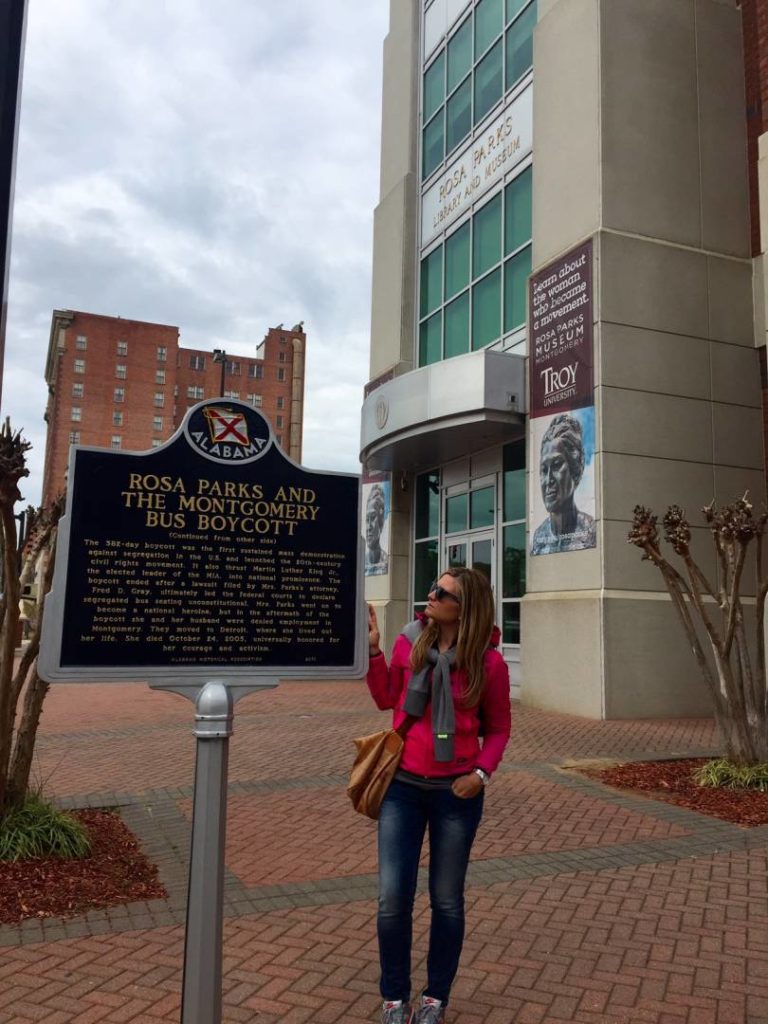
x=126, y=384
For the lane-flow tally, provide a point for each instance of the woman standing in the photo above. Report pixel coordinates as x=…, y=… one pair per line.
x=447, y=676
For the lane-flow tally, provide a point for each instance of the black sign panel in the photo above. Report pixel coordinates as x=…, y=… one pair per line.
x=215, y=550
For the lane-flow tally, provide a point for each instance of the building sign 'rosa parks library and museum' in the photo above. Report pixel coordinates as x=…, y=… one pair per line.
x=212, y=554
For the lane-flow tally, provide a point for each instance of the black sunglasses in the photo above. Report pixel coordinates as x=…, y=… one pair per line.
x=441, y=593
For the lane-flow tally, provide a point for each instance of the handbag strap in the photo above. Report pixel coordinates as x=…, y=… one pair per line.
x=405, y=725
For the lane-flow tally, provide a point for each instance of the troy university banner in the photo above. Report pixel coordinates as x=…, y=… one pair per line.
x=562, y=506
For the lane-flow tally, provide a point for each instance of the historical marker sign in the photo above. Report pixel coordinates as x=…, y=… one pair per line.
x=212, y=556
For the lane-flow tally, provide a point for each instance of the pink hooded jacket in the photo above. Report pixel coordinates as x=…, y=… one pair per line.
x=388, y=686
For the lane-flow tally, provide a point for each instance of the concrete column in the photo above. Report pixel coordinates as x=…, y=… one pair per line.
x=640, y=143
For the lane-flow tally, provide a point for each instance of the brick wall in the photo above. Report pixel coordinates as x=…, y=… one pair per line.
x=755, y=28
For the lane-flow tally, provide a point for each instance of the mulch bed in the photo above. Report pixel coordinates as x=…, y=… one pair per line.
x=672, y=782
x=116, y=871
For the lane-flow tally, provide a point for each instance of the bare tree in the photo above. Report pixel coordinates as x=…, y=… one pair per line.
x=20, y=683
x=732, y=667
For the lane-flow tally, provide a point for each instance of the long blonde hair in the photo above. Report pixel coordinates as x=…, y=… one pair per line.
x=475, y=627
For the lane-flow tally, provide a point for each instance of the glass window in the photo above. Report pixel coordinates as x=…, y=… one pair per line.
x=486, y=249
x=117, y=441
x=195, y=392
x=457, y=555
x=119, y=394
x=255, y=400
x=458, y=117
x=162, y=353
x=514, y=480
x=74, y=437
x=122, y=348
x=434, y=86
x=159, y=399
x=514, y=560
x=431, y=282
x=516, y=273
x=424, y=568
x=511, y=622
x=281, y=373
x=159, y=376
x=121, y=370
x=486, y=310
x=520, y=45
x=514, y=7
x=280, y=402
x=457, y=326
x=481, y=511
x=81, y=342
x=232, y=367
x=278, y=421
x=231, y=394
x=256, y=370
x=482, y=556
x=156, y=442
x=157, y=422
x=430, y=340
x=79, y=366
x=456, y=513
x=77, y=413
x=432, y=149
x=489, y=21
x=197, y=362
x=428, y=504
x=517, y=211
x=78, y=390
x=457, y=261
x=459, y=54
x=489, y=81
x=117, y=418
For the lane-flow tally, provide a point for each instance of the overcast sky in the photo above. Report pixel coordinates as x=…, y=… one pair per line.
x=211, y=166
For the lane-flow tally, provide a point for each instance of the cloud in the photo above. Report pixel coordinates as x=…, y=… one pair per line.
x=212, y=168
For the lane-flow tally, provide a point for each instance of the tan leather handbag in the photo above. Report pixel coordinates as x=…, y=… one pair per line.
x=375, y=764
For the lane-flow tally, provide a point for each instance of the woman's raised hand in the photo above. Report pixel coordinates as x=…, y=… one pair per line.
x=374, y=636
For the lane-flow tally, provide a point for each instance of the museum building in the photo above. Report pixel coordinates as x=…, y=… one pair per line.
x=564, y=261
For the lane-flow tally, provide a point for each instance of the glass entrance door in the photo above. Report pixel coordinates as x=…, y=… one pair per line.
x=475, y=551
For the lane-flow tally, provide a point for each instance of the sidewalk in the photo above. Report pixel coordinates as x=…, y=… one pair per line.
x=583, y=905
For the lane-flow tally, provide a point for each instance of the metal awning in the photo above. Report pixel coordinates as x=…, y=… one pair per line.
x=444, y=411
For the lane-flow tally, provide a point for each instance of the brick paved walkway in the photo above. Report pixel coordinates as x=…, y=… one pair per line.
x=583, y=905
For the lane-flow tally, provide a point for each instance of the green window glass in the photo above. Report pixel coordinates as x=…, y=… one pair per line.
x=514, y=560
x=510, y=631
x=458, y=116
x=517, y=211
x=459, y=54
x=514, y=480
x=489, y=21
x=457, y=261
x=430, y=340
x=486, y=310
x=481, y=508
x=489, y=81
x=431, y=281
x=424, y=568
x=514, y=7
x=432, y=155
x=486, y=226
x=520, y=45
x=516, y=273
x=457, y=326
x=456, y=513
x=434, y=86
x=427, y=504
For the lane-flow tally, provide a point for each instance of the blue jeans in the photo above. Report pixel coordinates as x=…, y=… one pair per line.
x=405, y=814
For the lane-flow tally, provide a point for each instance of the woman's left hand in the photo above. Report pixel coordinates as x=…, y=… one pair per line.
x=467, y=786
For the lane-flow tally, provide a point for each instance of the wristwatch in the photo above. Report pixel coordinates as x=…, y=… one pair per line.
x=486, y=778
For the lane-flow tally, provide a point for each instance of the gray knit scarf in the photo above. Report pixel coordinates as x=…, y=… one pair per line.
x=435, y=676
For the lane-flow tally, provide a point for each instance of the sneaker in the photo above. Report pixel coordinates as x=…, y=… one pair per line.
x=431, y=1011
x=395, y=1012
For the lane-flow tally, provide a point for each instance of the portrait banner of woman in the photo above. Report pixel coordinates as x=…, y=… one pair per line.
x=563, y=482
x=376, y=509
